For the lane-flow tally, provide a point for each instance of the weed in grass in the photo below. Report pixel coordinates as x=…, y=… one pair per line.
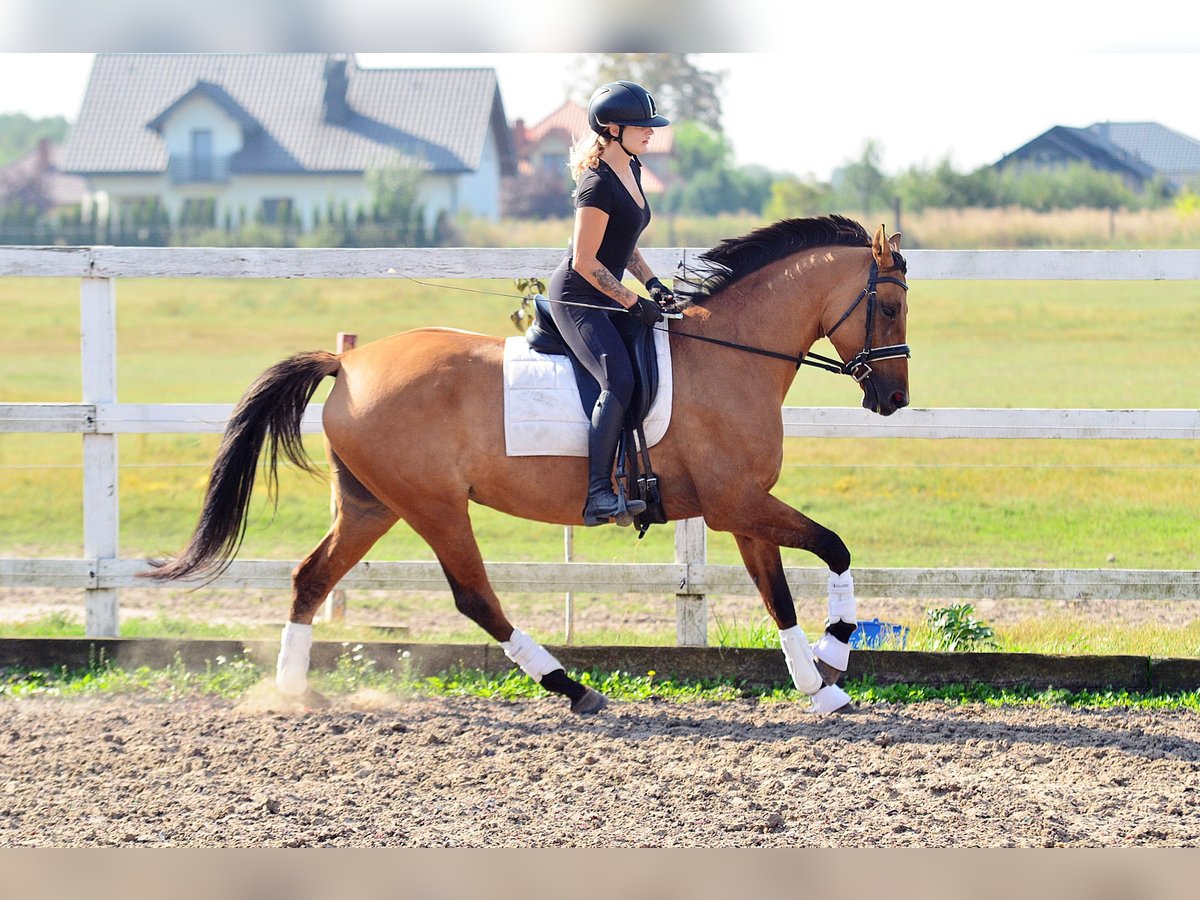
x=227, y=678
x=55, y=624
x=356, y=674
x=867, y=691
x=362, y=683
x=760, y=634
x=954, y=628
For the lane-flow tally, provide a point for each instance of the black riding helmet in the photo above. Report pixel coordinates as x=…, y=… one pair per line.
x=623, y=103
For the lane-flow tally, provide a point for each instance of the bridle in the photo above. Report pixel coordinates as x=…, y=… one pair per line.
x=857, y=368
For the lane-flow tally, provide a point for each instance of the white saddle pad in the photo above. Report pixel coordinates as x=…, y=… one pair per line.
x=542, y=412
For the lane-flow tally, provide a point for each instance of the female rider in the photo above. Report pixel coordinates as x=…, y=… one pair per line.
x=594, y=312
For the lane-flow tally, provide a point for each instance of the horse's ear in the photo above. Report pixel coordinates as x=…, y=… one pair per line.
x=881, y=248
x=894, y=240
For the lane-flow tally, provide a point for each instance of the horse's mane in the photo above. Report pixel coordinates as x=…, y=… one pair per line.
x=735, y=258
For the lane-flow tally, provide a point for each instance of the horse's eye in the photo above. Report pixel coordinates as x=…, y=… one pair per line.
x=889, y=311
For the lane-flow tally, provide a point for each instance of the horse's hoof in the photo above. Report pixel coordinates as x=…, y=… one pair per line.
x=591, y=702
x=829, y=674
x=313, y=700
x=310, y=699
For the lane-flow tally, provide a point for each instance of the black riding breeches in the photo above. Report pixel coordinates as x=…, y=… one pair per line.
x=593, y=334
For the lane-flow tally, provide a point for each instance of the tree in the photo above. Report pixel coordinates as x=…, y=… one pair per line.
x=537, y=195
x=396, y=209
x=699, y=148
x=681, y=91
x=792, y=196
x=19, y=134
x=863, y=180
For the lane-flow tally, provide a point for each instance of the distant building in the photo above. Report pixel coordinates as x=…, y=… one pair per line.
x=546, y=146
x=36, y=180
x=223, y=139
x=1137, y=151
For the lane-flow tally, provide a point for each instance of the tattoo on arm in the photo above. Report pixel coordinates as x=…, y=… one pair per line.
x=638, y=267
x=608, y=284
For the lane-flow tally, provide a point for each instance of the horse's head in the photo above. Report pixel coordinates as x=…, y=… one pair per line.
x=870, y=335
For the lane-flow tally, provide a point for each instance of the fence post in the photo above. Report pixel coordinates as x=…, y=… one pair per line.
x=691, y=610
x=335, y=603
x=569, y=611
x=101, y=519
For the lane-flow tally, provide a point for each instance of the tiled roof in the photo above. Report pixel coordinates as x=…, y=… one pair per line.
x=1144, y=149
x=1169, y=153
x=572, y=119
x=1087, y=143
x=434, y=118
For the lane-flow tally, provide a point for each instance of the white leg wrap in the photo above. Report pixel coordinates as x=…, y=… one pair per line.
x=799, y=657
x=534, y=659
x=291, y=670
x=842, y=608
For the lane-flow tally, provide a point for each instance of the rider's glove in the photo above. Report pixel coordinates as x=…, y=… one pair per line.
x=647, y=311
x=659, y=292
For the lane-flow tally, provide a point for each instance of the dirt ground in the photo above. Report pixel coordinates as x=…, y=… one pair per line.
x=124, y=770
x=371, y=771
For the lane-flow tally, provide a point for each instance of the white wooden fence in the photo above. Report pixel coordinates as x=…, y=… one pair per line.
x=99, y=418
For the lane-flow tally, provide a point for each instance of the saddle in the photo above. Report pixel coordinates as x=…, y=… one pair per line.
x=543, y=336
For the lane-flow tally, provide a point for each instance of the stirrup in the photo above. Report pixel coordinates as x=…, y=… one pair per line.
x=622, y=515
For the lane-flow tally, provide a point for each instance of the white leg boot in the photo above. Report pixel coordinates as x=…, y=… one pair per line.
x=843, y=607
x=800, y=662
x=291, y=669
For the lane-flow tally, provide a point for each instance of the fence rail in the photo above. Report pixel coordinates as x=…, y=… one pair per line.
x=102, y=574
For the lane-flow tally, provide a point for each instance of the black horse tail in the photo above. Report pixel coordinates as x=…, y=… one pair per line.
x=271, y=411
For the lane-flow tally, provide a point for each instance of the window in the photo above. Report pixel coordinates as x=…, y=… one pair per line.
x=553, y=162
x=277, y=210
x=202, y=154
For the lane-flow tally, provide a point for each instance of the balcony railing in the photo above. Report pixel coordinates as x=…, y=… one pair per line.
x=198, y=169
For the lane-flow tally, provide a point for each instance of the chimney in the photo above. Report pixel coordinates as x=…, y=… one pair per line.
x=336, y=109
x=519, y=136
x=44, y=161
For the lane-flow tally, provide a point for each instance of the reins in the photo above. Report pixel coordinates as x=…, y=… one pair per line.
x=857, y=368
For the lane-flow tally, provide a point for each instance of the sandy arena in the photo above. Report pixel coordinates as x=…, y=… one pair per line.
x=471, y=772
x=373, y=771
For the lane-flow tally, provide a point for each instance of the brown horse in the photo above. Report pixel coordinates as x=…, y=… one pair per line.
x=414, y=431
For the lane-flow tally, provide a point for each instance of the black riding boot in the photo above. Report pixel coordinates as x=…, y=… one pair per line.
x=608, y=417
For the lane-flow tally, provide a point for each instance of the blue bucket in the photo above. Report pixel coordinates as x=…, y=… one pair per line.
x=876, y=635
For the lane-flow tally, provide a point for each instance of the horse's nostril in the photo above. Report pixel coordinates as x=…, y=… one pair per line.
x=899, y=399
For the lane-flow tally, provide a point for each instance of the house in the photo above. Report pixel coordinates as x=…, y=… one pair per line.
x=1137, y=151
x=226, y=139
x=546, y=146
x=36, y=180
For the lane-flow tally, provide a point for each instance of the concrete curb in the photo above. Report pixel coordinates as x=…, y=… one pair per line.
x=755, y=667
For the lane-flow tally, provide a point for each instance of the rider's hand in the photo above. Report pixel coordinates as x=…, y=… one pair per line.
x=659, y=292
x=647, y=311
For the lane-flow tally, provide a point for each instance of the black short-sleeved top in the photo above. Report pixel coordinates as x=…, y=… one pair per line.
x=602, y=189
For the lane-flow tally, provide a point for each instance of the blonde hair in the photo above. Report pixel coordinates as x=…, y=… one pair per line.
x=585, y=154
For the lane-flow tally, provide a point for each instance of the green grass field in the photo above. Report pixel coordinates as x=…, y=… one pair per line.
x=1060, y=504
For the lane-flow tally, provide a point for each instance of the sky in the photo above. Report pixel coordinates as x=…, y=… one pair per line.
x=809, y=114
